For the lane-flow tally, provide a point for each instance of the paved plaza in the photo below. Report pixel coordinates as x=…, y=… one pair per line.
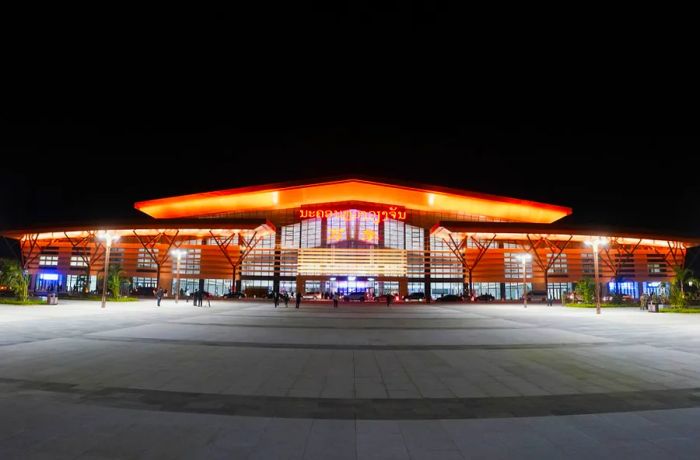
x=243, y=380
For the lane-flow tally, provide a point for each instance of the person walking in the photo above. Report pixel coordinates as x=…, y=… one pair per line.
x=298, y=297
x=276, y=298
x=335, y=300
x=159, y=296
x=285, y=296
x=388, y=299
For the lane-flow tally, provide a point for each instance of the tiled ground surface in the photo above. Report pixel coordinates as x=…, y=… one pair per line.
x=245, y=380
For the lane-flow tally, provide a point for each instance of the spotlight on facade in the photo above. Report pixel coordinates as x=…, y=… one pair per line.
x=595, y=243
x=108, y=238
x=178, y=253
x=524, y=258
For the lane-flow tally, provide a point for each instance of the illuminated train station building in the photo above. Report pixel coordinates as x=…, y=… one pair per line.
x=350, y=235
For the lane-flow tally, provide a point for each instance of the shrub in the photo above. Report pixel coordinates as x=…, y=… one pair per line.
x=12, y=275
x=585, y=290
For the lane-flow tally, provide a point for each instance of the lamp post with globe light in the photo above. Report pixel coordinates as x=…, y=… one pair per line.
x=524, y=258
x=595, y=243
x=109, y=238
x=178, y=253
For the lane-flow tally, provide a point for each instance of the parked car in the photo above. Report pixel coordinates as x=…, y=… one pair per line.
x=234, y=295
x=415, y=297
x=143, y=291
x=311, y=296
x=485, y=298
x=450, y=298
x=537, y=296
x=354, y=296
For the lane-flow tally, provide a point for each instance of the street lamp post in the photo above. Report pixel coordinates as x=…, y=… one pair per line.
x=595, y=244
x=109, y=239
x=524, y=258
x=178, y=253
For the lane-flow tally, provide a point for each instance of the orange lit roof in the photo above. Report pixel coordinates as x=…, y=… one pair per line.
x=557, y=232
x=294, y=195
x=184, y=227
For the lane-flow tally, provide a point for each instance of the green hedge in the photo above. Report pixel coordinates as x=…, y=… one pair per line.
x=99, y=298
x=680, y=310
x=19, y=302
x=602, y=305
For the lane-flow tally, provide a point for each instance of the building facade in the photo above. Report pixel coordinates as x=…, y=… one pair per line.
x=351, y=235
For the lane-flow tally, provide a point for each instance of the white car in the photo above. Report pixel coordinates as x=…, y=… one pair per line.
x=311, y=296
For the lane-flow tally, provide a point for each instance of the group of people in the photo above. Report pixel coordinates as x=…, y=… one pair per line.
x=197, y=296
x=276, y=297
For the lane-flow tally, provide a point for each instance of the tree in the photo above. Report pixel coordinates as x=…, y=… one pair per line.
x=12, y=275
x=585, y=289
x=114, y=280
x=681, y=278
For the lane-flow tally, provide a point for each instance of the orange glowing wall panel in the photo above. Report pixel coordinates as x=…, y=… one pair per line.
x=351, y=190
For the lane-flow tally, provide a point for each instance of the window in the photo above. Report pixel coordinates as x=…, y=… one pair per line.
x=624, y=287
x=352, y=225
x=144, y=261
x=414, y=238
x=514, y=291
x=560, y=267
x=656, y=265
x=471, y=244
x=49, y=257
x=215, y=287
x=625, y=264
x=255, y=284
x=443, y=262
x=291, y=236
x=416, y=287
x=557, y=290
x=311, y=233
x=488, y=288
x=288, y=286
x=312, y=286
x=388, y=287
x=440, y=289
x=116, y=256
x=652, y=287
x=144, y=282
x=48, y=260
x=394, y=234
x=192, y=262
x=368, y=230
x=79, y=257
x=588, y=264
x=513, y=266
x=78, y=283
x=261, y=260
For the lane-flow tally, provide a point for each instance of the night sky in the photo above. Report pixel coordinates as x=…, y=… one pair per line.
x=94, y=167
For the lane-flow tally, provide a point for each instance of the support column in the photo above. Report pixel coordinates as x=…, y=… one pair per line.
x=277, y=260
x=426, y=263
x=403, y=287
x=166, y=282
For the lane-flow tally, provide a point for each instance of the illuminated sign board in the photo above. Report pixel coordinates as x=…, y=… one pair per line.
x=376, y=214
